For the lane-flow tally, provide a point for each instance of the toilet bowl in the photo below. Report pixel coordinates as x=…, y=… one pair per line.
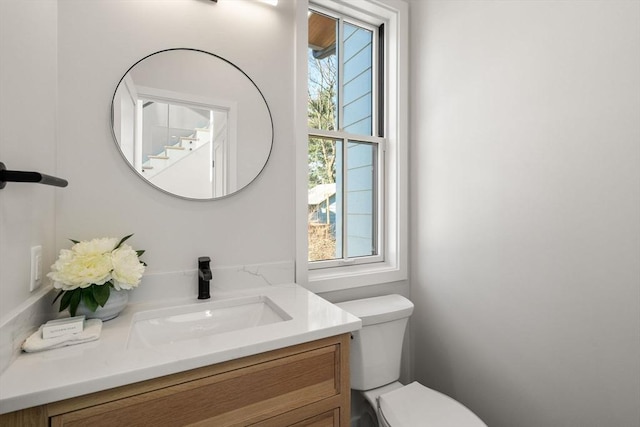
x=375, y=370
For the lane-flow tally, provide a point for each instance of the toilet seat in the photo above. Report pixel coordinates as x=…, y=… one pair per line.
x=417, y=405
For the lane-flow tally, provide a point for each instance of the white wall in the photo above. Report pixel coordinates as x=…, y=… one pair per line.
x=27, y=141
x=188, y=176
x=526, y=207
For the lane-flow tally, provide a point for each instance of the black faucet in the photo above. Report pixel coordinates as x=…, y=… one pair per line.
x=204, y=276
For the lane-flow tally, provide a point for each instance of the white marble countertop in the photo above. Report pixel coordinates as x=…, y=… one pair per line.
x=52, y=375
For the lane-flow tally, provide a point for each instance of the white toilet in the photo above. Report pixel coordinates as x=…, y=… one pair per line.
x=375, y=370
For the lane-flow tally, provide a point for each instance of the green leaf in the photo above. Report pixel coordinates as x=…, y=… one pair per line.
x=57, y=296
x=101, y=293
x=140, y=253
x=123, y=240
x=76, y=296
x=75, y=241
x=66, y=299
x=88, y=299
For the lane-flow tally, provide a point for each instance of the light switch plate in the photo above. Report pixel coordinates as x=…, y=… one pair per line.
x=36, y=268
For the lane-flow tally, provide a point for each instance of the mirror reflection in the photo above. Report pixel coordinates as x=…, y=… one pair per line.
x=192, y=124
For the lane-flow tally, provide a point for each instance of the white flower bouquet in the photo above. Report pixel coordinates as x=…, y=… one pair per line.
x=89, y=270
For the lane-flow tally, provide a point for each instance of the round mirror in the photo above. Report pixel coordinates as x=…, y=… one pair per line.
x=191, y=124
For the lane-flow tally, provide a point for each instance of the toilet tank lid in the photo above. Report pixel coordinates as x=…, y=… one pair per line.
x=379, y=309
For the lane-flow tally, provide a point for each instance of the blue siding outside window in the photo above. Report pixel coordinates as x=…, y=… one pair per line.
x=360, y=199
x=358, y=119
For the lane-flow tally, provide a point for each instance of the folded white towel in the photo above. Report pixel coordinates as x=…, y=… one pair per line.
x=35, y=342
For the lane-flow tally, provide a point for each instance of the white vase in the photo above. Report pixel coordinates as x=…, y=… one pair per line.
x=115, y=304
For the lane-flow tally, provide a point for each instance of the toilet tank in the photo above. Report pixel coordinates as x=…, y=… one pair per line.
x=376, y=349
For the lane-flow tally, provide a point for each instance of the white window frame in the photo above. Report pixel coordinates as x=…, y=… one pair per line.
x=393, y=241
x=346, y=138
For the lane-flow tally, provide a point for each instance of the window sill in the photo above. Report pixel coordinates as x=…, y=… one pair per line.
x=354, y=276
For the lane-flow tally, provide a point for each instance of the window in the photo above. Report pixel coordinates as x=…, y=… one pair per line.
x=355, y=158
x=345, y=145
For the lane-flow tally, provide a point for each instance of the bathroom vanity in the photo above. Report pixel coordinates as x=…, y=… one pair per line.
x=294, y=372
x=302, y=385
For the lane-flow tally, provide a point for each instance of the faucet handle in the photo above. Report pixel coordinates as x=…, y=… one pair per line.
x=204, y=270
x=204, y=276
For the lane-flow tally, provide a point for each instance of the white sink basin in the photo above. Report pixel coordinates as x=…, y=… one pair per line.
x=175, y=324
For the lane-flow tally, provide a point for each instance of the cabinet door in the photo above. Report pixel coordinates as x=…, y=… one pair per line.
x=234, y=398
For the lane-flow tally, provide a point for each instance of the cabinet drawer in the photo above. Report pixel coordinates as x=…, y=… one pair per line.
x=303, y=418
x=237, y=397
x=328, y=419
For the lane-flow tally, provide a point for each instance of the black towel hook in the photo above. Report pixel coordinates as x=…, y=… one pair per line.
x=23, y=176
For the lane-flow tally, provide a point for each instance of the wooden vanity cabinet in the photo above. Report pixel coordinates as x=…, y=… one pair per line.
x=302, y=385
